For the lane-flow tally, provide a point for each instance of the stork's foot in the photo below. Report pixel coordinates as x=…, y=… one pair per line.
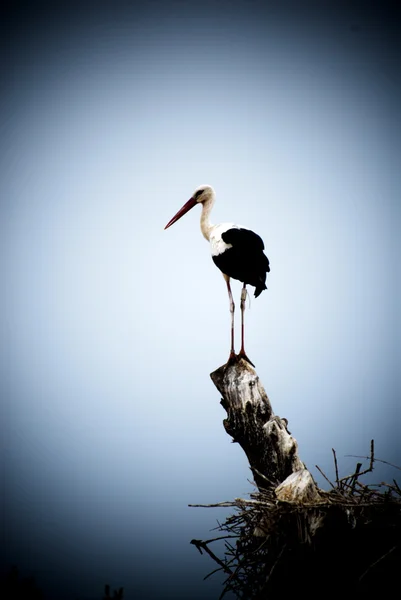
x=244, y=356
x=232, y=359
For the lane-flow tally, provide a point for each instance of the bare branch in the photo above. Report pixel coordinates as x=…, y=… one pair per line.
x=336, y=467
x=377, y=562
x=326, y=478
x=203, y=545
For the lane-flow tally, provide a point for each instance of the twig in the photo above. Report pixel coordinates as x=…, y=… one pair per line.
x=275, y=562
x=372, y=453
x=355, y=477
x=228, y=504
x=222, y=537
x=377, y=561
x=199, y=544
x=358, y=473
x=254, y=470
x=212, y=573
x=326, y=478
x=385, y=462
x=336, y=467
x=397, y=486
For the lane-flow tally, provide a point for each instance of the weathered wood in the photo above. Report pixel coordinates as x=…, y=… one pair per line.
x=270, y=448
x=349, y=535
x=298, y=487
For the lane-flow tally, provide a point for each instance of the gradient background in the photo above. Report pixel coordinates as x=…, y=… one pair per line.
x=111, y=115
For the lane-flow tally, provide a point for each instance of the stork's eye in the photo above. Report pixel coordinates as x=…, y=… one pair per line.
x=198, y=193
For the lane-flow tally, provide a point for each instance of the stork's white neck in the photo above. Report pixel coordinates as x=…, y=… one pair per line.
x=205, y=224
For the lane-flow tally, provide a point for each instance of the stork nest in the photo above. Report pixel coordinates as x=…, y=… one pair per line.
x=350, y=537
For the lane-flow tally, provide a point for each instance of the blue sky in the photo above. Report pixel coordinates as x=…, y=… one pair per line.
x=110, y=119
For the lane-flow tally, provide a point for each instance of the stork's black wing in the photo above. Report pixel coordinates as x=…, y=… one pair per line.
x=247, y=239
x=246, y=260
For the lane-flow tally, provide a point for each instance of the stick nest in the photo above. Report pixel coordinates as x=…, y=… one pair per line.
x=349, y=538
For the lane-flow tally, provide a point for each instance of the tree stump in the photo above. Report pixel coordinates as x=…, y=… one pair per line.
x=271, y=450
x=349, y=535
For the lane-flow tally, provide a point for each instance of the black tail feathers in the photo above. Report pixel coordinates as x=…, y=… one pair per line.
x=259, y=289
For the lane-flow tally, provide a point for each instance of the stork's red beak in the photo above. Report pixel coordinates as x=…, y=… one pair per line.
x=187, y=206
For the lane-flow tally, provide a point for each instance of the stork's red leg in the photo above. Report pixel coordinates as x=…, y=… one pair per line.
x=232, y=308
x=242, y=352
x=243, y=300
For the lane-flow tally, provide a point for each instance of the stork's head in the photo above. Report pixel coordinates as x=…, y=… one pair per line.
x=202, y=194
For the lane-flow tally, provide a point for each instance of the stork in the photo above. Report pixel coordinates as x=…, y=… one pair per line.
x=236, y=251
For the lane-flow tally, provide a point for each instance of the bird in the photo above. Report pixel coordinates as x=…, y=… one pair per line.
x=236, y=251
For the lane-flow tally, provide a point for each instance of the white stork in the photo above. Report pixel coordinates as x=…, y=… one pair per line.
x=236, y=251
